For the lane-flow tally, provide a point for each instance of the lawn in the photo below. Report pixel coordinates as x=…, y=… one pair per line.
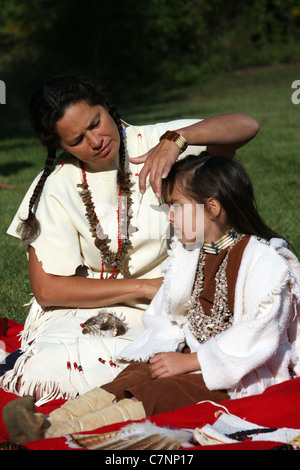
x=272, y=159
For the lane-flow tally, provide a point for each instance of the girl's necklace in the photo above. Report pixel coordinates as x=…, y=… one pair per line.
x=221, y=244
x=118, y=260
x=205, y=326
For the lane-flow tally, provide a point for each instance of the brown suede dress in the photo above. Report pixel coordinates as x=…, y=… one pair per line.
x=170, y=393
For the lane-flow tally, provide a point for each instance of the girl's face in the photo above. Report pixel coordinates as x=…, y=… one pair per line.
x=194, y=222
x=89, y=133
x=186, y=216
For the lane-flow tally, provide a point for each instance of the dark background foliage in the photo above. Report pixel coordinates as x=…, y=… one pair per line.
x=139, y=48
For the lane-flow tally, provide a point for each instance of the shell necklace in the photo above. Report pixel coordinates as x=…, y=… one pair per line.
x=205, y=326
x=118, y=260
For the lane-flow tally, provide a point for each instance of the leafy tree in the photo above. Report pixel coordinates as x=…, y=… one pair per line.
x=151, y=45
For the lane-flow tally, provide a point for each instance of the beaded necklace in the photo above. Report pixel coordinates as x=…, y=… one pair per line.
x=117, y=260
x=205, y=326
x=221, y=244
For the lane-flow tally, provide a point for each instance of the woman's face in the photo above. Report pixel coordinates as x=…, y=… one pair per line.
x=89, y=133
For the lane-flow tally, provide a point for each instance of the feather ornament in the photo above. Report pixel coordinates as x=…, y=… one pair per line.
x=105, y=323
x=135, y=436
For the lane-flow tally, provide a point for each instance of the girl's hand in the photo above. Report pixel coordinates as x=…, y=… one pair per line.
x=173, y=363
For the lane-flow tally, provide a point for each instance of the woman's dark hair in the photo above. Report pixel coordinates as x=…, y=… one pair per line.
x=48, y=104
x=225, y=179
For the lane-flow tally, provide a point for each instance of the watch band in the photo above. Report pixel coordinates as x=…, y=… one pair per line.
x=177, y=138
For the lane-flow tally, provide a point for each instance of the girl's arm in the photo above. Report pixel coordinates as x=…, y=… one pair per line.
x=75, y=291
x=221, y=134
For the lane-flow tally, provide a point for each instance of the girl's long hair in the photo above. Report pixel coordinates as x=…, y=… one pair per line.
x=225, y=179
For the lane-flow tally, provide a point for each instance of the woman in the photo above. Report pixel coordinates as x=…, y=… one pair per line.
x=95, y=237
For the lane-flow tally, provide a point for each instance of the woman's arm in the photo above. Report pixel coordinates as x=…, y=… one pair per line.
x=74, y=291
x=221, y=134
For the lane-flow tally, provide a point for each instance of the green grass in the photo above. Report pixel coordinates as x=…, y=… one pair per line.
x=272, y=159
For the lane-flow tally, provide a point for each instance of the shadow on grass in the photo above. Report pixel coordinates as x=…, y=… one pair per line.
x=13, y=130
x=16, y=142
x=7, y=169
x=14, y=123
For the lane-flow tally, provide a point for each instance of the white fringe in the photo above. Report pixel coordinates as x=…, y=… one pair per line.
x=12, y=382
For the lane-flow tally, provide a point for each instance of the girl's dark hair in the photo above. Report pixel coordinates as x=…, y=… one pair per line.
x=225, y=179
x=48, y=104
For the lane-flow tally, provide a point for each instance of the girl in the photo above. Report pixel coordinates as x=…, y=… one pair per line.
x=224, y=323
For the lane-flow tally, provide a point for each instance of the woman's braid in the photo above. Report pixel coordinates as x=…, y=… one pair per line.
x=29, y=228
x=123, y=175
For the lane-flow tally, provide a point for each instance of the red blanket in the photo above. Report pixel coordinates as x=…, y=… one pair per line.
x=277, y=407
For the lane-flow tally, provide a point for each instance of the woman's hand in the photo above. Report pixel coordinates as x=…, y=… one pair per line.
x=150, y=287
x=157, y=164
x=173, y=363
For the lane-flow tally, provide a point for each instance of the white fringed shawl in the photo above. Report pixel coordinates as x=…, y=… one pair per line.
x=263, y=343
